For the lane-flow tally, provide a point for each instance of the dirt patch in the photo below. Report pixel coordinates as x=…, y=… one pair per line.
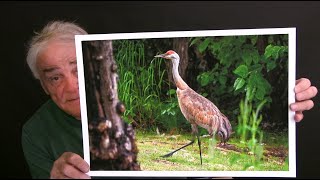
x=279, y=152
x=231, y=147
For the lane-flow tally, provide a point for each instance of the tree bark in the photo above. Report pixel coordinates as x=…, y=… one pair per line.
x=112, y=141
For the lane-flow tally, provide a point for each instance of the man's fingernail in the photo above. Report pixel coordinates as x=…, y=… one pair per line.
x=293, y=107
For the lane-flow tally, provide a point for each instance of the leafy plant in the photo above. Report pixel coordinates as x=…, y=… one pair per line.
x=141, y=81
x=240, y=64
x=249, y=131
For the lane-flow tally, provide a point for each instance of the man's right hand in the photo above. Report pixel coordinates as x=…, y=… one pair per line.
x=70, y=165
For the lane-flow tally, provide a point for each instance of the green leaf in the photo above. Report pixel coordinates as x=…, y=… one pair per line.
x=222, y=80
x=215, y=47
x=204, y=78
x=253, y=82
x=203, y=46
x=241, y=71
x=247, y=58
x=171, y=91
x=260, y=93
x=275, y=52
x=254, y=40
x=242, y=39
x=283, y=50
x=271, y=65
x=225, y=59
x=204, y=94
x=256, y=78
x=195, y=40
x=255, y=56
x=250, y=90
x=268, y=51
x=269, y=99
x=239, y=83
x=224, y=71
x=264, y=59
x=256, y=68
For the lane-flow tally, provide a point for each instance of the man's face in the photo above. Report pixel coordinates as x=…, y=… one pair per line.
x=57, y=67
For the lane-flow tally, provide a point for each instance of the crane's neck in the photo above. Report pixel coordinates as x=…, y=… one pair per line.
x=176, y=76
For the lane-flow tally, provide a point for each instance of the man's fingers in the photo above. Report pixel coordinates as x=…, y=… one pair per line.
x=70, y=165
x=298, y=116
x=72, y=172
x=78, y=162
x=57, y=170
x=303, y=93
x=307, y=94
x=302, y=84
x=302, y=106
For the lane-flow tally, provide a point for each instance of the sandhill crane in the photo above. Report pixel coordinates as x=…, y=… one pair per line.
x=198, y=110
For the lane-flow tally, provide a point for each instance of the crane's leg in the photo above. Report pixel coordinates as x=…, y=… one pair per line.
x=195, y=132
x=172, y=152
x=199, y=144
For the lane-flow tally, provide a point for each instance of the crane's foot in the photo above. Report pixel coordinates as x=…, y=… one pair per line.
x=171, y=153
x=220, y=144
x=223, y=145
x=226, y=146
x=167, y=155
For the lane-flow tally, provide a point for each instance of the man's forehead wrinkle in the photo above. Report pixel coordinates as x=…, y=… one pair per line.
x=50, y=69
x=53, y=68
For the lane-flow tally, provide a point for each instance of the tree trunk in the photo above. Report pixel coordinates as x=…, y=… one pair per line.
x=112, y=141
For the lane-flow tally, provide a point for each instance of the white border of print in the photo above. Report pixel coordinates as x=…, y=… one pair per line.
x=172, y=34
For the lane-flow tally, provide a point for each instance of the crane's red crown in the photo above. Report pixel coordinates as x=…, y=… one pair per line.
x=170, y=52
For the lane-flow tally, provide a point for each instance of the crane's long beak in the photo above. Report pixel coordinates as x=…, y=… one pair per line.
x=161, y=55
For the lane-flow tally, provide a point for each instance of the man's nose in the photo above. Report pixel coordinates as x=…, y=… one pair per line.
x=72, y=83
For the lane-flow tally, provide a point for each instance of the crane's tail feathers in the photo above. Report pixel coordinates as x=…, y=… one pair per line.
x=225, y=129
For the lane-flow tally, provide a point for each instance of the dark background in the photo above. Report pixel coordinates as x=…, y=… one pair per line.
x=21, y=95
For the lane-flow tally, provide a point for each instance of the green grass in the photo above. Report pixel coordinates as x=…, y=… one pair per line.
x=151, y=146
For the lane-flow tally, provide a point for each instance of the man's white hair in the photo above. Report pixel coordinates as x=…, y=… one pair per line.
x=58, y=30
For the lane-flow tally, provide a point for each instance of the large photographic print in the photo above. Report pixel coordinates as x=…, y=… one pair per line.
x=208, y=103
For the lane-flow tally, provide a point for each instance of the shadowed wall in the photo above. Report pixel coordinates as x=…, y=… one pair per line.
x=21, y=95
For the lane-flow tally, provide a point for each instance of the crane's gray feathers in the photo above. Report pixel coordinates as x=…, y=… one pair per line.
x=201, y=111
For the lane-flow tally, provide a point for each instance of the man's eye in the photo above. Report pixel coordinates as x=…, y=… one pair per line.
x=54, y=78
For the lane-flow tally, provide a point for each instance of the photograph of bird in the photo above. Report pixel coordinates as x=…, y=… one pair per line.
x=198, y=110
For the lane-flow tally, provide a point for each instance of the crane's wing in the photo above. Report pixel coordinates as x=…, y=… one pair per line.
x=201, y=111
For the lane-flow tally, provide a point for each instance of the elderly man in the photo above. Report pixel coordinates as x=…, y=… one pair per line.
x=52, y=138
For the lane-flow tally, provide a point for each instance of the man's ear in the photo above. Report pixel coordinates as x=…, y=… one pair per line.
x=44, y=87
